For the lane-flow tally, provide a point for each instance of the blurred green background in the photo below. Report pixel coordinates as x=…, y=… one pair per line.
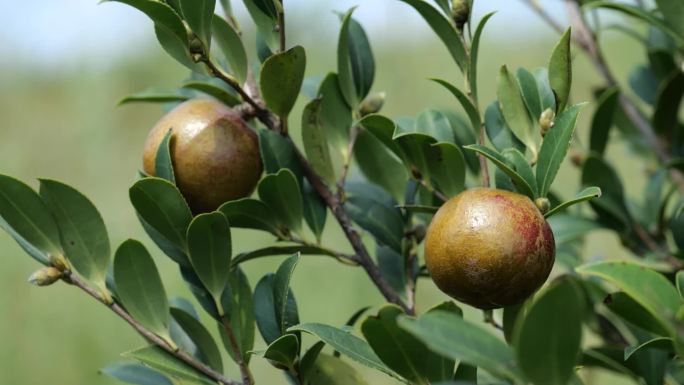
x=63, y=67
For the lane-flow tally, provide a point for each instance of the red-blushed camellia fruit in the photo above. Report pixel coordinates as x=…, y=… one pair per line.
x=215, y=155
x=489, y=248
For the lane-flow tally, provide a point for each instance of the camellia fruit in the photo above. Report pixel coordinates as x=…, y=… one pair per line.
x=215, y=155
x=489, y=248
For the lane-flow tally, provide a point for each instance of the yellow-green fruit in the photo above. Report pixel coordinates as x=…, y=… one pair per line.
x=489, y=248
x=215, y=155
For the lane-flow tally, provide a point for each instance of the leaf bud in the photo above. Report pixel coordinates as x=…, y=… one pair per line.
x=460, y=12
x=59, y=262
x=542, y=204
x=45, y=276
x=546, y=121
x=372, y=104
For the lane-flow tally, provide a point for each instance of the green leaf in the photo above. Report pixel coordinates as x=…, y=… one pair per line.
x=502, y=164
x=448, y=334
x=28, y=220
x=155, y=95
x=139, y=287
x=660, y=343
x=268, y=314
x=281, y=250
x=379, y=165
x=134, y=373
x=281, y=194
x=401, y=351
x=199, y=14
x=329, y=370
x=315, y=210
x=335, y=114
x=315, y=141
x=355, y=63
x=209, y=249
x=392, y=266
x=162, y=15
x=530, y=93
x=498, y=131
x=156, y=358
x=215, y=89
x=474, y=53
x=279, y=152
x=383, y=129
x=522, y=167
x=419, y=209
x=567, y=228
x=673, y=12
x=373, y=210
x=468, y=106
x=281, y=291
x=281, y=79
x=265, y=23
x=679, y=278
x=444, y=30
x=670, y=95
x=447, y=163
x=283, y=351
x=648, y=288
x=584, y=195
x=548, y=99
x=643, y=16
x=230, y=44
x=347, y=344
x=554, y=148
x=634, y=313
x=161, y=206
x=177, y=49
x=82, y=230
x=547, y=341
x=163, y=165
x=250, y=214
x=603, y=120
x=514, y=111
x=560, y=71
x=200, y=336
x=241, y=314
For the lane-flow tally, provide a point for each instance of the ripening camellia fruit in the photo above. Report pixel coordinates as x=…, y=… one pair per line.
x=215, y=155
x=489, y=248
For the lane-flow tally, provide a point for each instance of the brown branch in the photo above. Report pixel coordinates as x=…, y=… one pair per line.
x=186, y=358
x=247, y=378
x=281, y=26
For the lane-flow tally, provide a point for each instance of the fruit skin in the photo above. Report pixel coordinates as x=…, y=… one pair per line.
x=215, y=155
x=489, y=248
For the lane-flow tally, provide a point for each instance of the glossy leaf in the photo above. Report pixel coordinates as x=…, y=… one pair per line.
x=497, y=129
x=546, y=95
x=450, y=335
x=335, y=114
x=161, y=206
x=448, y=167
x=242, y=318
x=347, y=344
x=549, y=337
x=139, y=287
x=522, y=167
x=265, y=311
x=156, y=358
x=177, y=49
x=249, y=213
x=611, y=208
x=647, y=287
x=444, y=30
x=634, y=313
x=679, y=278
x=134, y=373
x=374, y=214
x=603, y=120
x=315, y=210
x=474, y=53
x=281, y=194
x=283, y=351
x=379, y=164
x=24, y=215
x=560, y=71
x=660, y=343
x=503, y=165
x=201, y=337
x=281, y=290
x=154, y=95
x=265, y=22
x=355, y=63
x=82, y=230
x=281, y=79
x=554, y=148
x=567, y=228
x=329, y=370
x=465, y=102
x=281, y=250
x=315, y=141
x=230, y=44
x=584, y=195
x=670, y=95
x=162, y=15
x=209, y=249
x=163, y=165
x=279, y=152
x=215, y=89
x=275, y=307
x=530, y=93
x=401, y=351
x=673, y=12
x=199, y=14
x=514, y=111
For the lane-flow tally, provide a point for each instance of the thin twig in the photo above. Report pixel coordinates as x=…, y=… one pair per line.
x=421, y=181
x=281, y=26
x=247, y=378
x=74, y=280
